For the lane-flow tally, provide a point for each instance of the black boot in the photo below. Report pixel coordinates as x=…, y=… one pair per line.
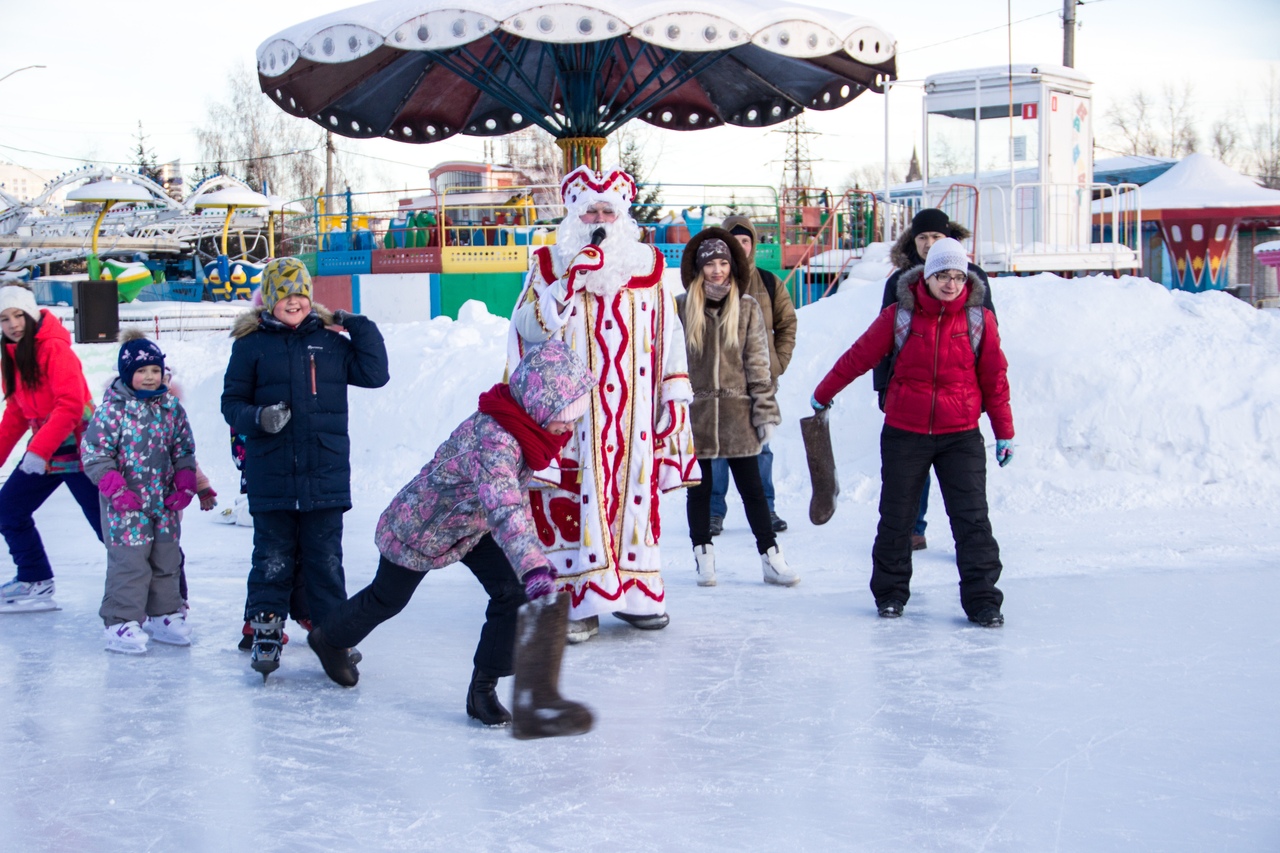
x=482, y=700
x=540, y=710
x=336, y=661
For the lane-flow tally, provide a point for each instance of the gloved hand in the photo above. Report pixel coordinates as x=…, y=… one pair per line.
x=765, y=432
x=591, y=258
x=113, y=485
x=340, y=317
x=540, y=582
x=208, y=498
x=273, y=418
x=666, y=420
x=817, y=407
x=1004, y=451
x=32, y=464
x=184, y=485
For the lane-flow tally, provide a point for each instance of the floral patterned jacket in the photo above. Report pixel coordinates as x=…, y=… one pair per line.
x=477, y=483
x=146, y=440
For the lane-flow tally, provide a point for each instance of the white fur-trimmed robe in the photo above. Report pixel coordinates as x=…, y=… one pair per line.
x=598, y=518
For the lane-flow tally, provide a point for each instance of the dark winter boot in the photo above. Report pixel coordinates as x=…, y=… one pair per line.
x=267, y=634
x=822, y=466
x=336, y=661
x=482, y=700
x=539, y=709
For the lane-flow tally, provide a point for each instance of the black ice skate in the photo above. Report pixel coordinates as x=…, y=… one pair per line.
x=268, y=631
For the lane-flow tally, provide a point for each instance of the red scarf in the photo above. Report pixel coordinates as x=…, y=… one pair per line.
x=540, y=447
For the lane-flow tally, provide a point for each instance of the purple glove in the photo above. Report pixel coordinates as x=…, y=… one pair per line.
x=540, y=582
x=184, y=484
x=114, y=487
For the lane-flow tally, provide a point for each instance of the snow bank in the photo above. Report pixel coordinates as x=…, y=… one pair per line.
x=1124, y=395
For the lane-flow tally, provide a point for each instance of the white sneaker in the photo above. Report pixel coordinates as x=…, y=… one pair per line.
x=776, y=570
x=27, y=596
x=172, y=629
x=243, y=516
x=126, y=638
x=704, y=556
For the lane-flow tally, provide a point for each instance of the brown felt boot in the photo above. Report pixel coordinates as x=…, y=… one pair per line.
x=539, y=710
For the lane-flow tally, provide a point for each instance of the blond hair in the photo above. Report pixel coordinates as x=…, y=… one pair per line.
x=695, y=321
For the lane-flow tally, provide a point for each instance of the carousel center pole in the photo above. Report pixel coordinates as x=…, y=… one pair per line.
x=581, y=151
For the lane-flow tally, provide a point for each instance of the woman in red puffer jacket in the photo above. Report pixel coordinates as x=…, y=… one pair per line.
x=938, y=390
x=45, y=392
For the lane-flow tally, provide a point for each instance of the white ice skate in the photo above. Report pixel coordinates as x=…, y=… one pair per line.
x=776, y=570
x=704, y=557
x=27, y=597
x=126, y=638
x=243, y=517
x=172, y=629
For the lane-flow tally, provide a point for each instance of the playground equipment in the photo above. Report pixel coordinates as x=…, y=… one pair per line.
x=129, y=279
x=231, y=280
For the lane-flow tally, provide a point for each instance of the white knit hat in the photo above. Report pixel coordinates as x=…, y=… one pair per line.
x=17, y=296
x=946, y=254
x=573, y=411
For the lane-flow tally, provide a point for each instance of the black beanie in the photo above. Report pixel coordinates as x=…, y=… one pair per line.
x=930, y=219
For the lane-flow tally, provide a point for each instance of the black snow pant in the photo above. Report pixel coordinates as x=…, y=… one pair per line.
x=288, y=544
x=394, y=585
x=960, y=463
x=746, y=476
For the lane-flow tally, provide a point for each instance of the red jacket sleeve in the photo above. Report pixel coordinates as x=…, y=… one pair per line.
x=993, y=378
x=12, y=427
x=63, y=374
x=867, y=351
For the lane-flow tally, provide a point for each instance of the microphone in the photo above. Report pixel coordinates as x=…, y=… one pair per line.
x=597, y=236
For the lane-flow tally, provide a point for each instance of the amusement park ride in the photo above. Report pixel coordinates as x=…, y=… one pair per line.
x=1008, y=152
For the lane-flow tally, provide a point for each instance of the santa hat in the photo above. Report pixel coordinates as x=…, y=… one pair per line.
x=584, y=187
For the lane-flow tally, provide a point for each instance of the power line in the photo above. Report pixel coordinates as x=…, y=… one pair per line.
x=1054, y=11
x=100, y=162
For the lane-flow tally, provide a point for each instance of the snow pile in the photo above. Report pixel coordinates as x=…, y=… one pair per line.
x=1124, y=395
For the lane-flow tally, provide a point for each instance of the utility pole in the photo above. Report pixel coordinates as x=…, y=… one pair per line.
x=1069, y=33
x=797, y=171
x=328, y=163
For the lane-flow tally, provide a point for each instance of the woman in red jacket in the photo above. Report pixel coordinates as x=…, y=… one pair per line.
x=45, y=392
x=948, y=368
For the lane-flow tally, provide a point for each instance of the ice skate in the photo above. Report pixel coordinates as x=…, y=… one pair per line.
x=704, y=558
x=540, y=640
x=127, y=638
x=776, y=570
x=27, y=596
x=267, y=632
x=172, y=629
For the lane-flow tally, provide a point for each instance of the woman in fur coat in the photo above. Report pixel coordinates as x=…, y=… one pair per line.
x=734, y=411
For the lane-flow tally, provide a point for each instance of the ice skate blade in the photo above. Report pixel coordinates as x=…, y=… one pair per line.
x=28, y=607
x=126, y=650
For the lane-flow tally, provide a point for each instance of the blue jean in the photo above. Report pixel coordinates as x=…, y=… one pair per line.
x=720, y=481
x=921, y=524
x=285, y=541
x=23, y=494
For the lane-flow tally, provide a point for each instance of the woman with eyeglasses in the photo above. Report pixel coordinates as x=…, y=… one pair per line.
x=948, y=369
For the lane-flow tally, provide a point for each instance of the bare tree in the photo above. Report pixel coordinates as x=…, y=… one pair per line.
x=1130, y=121
x=248, y=137
x=1179, y=117
x=1265, y=136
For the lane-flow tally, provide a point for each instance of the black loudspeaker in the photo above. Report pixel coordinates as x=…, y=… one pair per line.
x=96, y=309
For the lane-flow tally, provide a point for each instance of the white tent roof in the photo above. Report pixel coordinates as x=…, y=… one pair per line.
x=1200, y=181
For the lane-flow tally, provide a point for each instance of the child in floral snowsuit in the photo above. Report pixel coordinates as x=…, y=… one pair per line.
x=139, y=452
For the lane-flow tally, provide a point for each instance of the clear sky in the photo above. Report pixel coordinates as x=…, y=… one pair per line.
x=111, y=65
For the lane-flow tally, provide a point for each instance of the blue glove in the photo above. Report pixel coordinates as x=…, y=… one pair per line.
x=1004, y=451
x=817, y=407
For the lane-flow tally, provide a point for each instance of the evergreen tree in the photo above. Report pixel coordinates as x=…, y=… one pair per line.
x=145, y=157
x=648, y=202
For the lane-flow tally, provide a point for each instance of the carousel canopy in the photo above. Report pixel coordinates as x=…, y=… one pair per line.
x=233, y=197
x=110, y=191
x=424, y=70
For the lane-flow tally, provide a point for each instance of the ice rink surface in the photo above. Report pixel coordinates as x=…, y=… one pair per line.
x=1128, y=704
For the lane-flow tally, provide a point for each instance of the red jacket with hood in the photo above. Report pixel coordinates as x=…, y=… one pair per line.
x=938, y=386
x=58, y=406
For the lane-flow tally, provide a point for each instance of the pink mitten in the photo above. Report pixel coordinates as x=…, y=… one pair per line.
x=184, y=484
x=126, y=501
x=112, y=483
x=539, y=582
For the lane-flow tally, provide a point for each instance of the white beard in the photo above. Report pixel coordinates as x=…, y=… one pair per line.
x=624, y=255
